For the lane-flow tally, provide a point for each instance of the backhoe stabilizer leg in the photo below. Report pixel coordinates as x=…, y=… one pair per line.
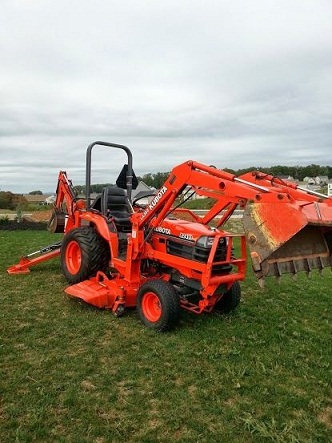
x=44, y=254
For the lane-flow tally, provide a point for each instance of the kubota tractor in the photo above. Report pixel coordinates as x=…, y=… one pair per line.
x=158, y=257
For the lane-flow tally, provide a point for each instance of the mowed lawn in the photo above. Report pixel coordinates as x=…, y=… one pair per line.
x=72, y=373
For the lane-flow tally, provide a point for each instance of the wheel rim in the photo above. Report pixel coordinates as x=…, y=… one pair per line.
x=73, y=257
x=151, y=307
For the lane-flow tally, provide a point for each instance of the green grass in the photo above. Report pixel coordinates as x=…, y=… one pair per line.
x=200, y=203
x=73, y=373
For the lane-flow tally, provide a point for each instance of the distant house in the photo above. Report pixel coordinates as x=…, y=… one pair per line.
x=287, y=177
x=141, y=191
x=309, y=180
x=322, y=180
x=50, y=200
x=37, y=199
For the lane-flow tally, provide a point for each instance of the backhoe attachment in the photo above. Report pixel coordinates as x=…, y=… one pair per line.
x=288, y=237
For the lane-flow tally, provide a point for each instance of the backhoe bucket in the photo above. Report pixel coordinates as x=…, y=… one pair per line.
x=288, y=237
x=57, y=221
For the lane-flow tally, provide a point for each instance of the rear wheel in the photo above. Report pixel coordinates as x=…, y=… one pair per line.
x=230, y=300
x=158, y=305
x=83, y=253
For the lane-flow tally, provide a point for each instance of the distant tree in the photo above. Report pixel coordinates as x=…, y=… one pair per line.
x=159, y=179
x=325, y=170
x=297, y=172
x=98, y=187
x=79, y=190
x=300, y=173
x=35, y=193
x=8, y=200
x=311, y=170
x=94, y=188
x=148, y=179
x=155, y=180
x=251, y=168
x=231, y=171
x=329, y=171
x=280, y=170
x=5, y=200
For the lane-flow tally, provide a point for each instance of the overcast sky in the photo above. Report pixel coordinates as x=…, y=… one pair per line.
x=234, y=83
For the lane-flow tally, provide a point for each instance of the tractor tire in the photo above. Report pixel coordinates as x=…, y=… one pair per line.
x=158, y=305
x=230, y=300
x=83, y=253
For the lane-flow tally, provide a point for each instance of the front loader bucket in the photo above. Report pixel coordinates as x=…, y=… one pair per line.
x=288, y=237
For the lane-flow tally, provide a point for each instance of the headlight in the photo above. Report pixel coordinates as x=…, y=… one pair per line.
x=205, y=241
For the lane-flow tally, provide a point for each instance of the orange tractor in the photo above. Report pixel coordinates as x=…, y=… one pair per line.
x=118, y=252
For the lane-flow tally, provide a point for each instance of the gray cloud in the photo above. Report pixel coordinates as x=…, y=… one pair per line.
x=233, y=83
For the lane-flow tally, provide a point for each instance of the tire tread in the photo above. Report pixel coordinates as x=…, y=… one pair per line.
x=94, y=250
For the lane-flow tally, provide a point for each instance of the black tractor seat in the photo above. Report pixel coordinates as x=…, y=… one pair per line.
x=115, y=205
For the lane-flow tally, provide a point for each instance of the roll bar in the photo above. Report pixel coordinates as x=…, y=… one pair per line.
x=129, y=181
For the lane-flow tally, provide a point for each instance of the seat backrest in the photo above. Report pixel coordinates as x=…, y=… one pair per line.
x=114, y=199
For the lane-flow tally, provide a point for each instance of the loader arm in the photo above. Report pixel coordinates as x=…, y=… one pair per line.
x=288, y=228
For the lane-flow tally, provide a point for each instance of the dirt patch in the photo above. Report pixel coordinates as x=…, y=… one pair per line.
x=39, y=216
x=24, y=225
x=36, y=221
x=325, y=417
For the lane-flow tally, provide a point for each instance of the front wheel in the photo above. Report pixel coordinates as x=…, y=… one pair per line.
x=230, y=300
x=158, y=305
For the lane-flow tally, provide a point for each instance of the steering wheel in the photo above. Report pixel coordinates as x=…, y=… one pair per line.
x=135, y=200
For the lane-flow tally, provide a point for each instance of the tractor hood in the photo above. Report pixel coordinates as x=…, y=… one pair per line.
x=184, y=229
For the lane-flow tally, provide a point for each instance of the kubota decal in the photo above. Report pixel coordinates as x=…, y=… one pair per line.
x=154, y=202
x=162, y=230
x=186, y=236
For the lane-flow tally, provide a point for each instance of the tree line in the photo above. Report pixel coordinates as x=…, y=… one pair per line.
x=156, y=180
x=297, y=172
x=8, y=200
x=11, y=201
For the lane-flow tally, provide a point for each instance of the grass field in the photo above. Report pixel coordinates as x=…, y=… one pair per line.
x=73, y=373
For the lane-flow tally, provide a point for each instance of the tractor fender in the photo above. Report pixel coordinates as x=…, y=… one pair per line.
x=102, y=228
